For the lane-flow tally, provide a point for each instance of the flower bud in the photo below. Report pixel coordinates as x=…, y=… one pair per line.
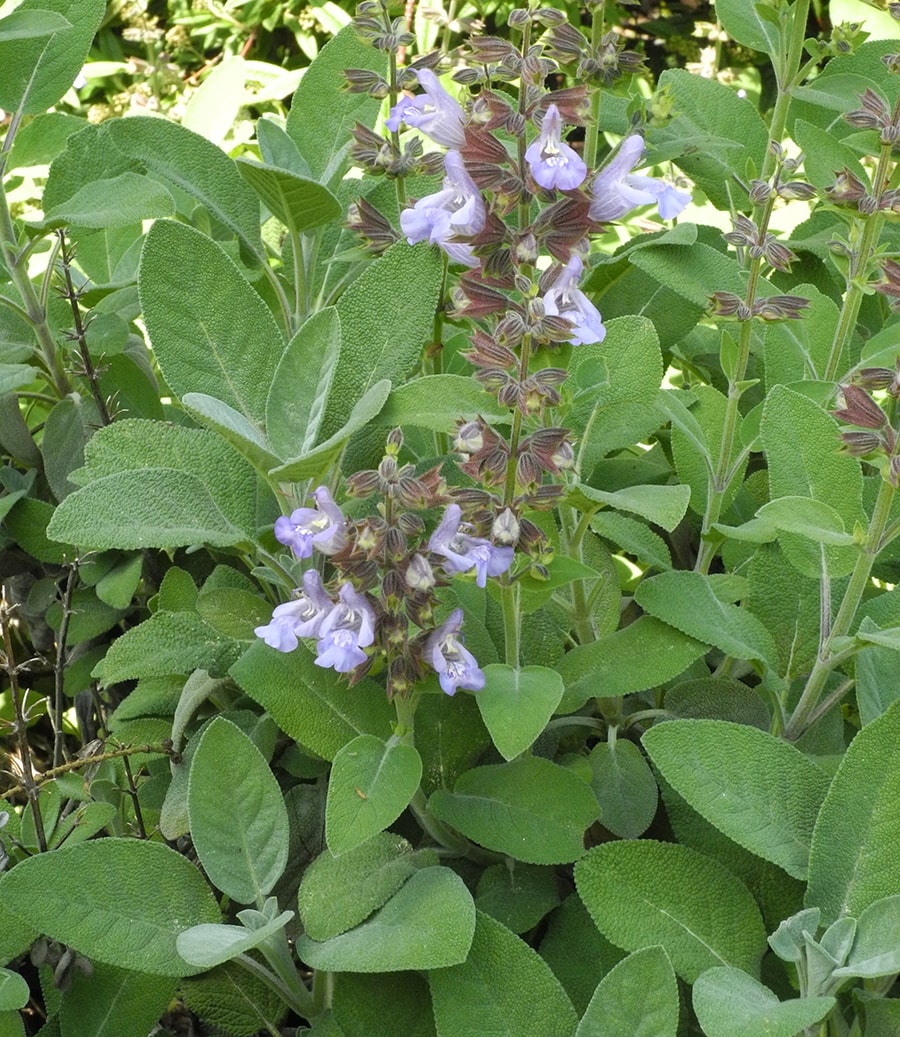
x=505, y=528
x=469, y=438
x=860, y=409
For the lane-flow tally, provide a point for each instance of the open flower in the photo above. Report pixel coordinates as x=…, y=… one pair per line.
x=463, y=552
x=552, y=162
x=301, y=617
x=616, y=190
x=321, y=527
x=565, y=299
x=345, y=631
x=455, y=665
x=457, y=209
x=435, y=112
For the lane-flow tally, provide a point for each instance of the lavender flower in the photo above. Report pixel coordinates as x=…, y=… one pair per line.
x=565, y=299
x=454, y=210
x=435, y=112
x=301, y=617
x=616, y=190
x=552, y=162
x=455, y=665
x=345, y=631
x=321, y=527
x=463, y=552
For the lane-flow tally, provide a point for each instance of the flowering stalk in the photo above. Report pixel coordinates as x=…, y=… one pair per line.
x=592, y=132
x=868, y=228
x=827, y=659
x=723, y=472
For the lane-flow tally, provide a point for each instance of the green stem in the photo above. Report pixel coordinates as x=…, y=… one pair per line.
x=859, y=263
x=509, y=603
x=34, y=312
x=716, y=492
x=323, y=990
x=592, y=133
x=445, y=35
x=399, y=181
x=438, y=831
x=302, y=1003
x=826, y=660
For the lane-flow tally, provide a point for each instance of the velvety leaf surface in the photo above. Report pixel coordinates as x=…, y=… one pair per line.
x=503, y=988
x=438, y=401
x=386, y=316
x=517, y=895
x=39, y=70
x=809, y=466
x=211, y=944
x=323, y=112
x=239, y=829
x=855, y=856
x=876, y=947
x=641, y=655
x=427, y=924
x=117, y=201
x=688, y=601
x=530, y=809
x=114, y=1002
x=757, y=789
x=232, y=998
x=729, y=1003
x=516, y=704
x=372, y=782
x=120, y=901
x=338, y=893
x=388, y=1005
x=298, y=202
x=211, y=332
x=645, y=892
x=624, y=786
x=638, y=997
x=309, y=703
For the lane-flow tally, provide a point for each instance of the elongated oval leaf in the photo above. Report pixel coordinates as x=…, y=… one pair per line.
x=757, y=789
x=876, y=947
x=688, y=602
x=25, y=25
x=208, y=945
x=239, y=827
x=301, y=384
x=121, y=901
x=855, y=855
x=308, y=703
x=503, y=989
x=117, y=201
x=516, y=704
x=427, y=924
x=338, y=893
x=624, y=786
x=531, y=809
x=37, y=71
x=371, y=784
x=638, y=997
x=663, y=505
x=298, y=202
x=211, y=332
x=729, y=1003
x=644, y=892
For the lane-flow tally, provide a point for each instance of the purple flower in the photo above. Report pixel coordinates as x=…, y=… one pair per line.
x=301, y=617
x=463, y=552
x=435, y=112
x=455, y=665
x=456, y=209
x=552, y=162
x=565, y=299
x=345, y=631
x=321, y=527
x=616, y=190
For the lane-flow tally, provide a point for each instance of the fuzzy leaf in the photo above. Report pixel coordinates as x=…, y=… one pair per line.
x=516, y=704
x=312, y=705
x=688, y=602
x=121, y=901
x=301, y=204
x=239, y=829
x=855, y=858
x=638, y=997
x=338, y=893
x=530, y=809
x=757, y=789
x=624, y=786
x=642, y=892
x=427, y=924
x=729, y=1003
x=211, y=332
x=503, y=989
x=371, y=784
